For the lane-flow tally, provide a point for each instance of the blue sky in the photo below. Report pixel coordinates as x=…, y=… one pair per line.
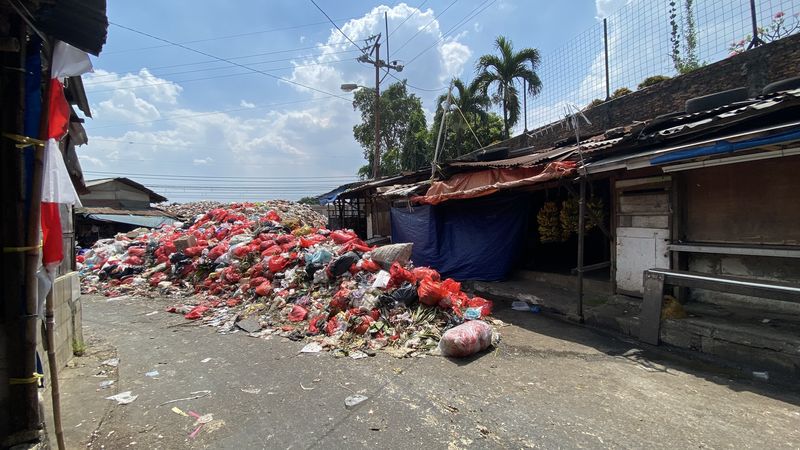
x=165, y=110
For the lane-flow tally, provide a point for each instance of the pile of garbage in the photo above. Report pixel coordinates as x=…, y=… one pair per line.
x=291, y=212
x=273, y=269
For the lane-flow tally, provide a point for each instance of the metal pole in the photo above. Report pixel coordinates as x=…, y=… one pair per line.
x=525, y=102
x=441, y=128
x=376, y=166
x=605, y=52
x=756, y=41
x=581, y=236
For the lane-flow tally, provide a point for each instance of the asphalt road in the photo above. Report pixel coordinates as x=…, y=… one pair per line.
x=549, y=385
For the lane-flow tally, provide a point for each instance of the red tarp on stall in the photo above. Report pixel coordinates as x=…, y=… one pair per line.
x=487, y=182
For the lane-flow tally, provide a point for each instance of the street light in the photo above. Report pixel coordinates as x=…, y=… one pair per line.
x=350, y=87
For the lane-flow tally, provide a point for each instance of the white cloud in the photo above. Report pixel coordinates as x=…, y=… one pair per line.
x=477, y=26
x=454, y=56
x=246, y=104
x=605, y=8
x=202, y=161
x=302, y=39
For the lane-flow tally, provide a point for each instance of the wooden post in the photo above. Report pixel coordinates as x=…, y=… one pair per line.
x=581, y=238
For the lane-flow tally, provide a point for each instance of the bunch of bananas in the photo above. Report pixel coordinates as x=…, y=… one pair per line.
x=549, y=224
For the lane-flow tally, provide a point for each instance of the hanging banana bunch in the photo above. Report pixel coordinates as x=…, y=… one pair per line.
x=549, y=225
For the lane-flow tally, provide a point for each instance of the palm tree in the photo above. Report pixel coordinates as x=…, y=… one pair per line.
x=473, y=103
x=504, y=72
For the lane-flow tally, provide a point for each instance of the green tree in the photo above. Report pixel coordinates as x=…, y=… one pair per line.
x=309, y=201
x=503, y=73
x=403, y=130
x=684, y=60
x=471, y=103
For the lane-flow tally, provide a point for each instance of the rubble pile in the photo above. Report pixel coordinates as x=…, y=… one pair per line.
x=273, y=269
x=289, y=211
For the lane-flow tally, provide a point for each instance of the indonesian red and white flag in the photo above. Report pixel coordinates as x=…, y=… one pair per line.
x=57, y=186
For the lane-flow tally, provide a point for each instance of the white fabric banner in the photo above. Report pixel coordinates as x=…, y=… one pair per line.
x=68, y=61
x=57, y=186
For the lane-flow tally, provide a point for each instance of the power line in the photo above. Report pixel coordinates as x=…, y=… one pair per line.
x=212, y=77
x=460, y=23
x=415, y=87
x=185, y=116
x=170, y=176
x=337, y=26
x=229, y=61
x=92, y=82
x=409, y=16
x=230, y=36
x=426, y=26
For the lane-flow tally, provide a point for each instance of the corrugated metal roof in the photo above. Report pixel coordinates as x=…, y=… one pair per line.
x=519, y=161
x=153, y=212
x=80, y=23
x=154, y=196
x=130, y=219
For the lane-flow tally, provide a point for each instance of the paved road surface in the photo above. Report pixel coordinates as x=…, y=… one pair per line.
x=549, y=385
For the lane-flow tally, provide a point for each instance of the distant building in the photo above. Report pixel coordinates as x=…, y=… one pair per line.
x=116, y=205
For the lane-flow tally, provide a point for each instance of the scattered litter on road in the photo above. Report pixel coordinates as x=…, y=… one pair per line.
x=151, y=374
x=205, y=360
x=123, y=398
x=151, y=313
x=312, y=347
x=305, y=388
x=179, y=411
x=466, y=339
x=272, y=269
x=249, y=325
x=113, y=362
x=354, y=400
x=194, y=395
x=762, y=376
x=250, y=390
x=106, y=384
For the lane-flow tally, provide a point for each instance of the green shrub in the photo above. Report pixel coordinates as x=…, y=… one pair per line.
x=620, y=92
x=650, y=81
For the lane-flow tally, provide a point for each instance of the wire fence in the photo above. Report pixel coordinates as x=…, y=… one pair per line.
x=637, y=42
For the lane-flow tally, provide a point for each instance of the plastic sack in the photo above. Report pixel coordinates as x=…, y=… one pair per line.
x=389, y=254
x=196, y=312
x=321, y=256
x=381, y=280
x=405, y=294
x=362, y=324
x=298, y=314
x=264, y=289
x=426, y=272
x=136, y=251
x=400, y=275
x=277, y=263
x=466, y=339
x=311, y=240
x=342, y=264
x=370, y=265
x=431, y=292
x=484, y=305
x=342, y=236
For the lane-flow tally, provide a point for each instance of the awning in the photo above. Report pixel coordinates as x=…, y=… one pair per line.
x=130, y=219
x=487, y=182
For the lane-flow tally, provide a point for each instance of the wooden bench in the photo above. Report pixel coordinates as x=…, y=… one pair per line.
x=656, y=279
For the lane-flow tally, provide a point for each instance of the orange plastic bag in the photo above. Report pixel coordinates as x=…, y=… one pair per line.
x=431, y=292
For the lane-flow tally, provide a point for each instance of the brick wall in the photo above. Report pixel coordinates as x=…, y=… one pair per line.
x=753, y=69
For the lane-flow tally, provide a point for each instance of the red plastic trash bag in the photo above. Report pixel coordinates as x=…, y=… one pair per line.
x=426, y=272
x=399, y=275
x=482, y=303
x=342, y=236
x=156, y=278
x=466, y=339
x=191, y=252
x=272, y=215
x=196, y=312
x=430, y=292
x=133, y=261
x=452, y=286
x=317, y=322
x=277, y=263
x=135, y=251
x=298, y=314
x=362, y=324
x=264, y=289
x=370, y=265
x=311, y=240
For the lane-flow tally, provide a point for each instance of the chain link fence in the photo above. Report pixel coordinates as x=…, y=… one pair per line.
x=647, y=38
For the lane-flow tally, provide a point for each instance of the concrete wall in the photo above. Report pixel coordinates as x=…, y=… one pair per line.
x=68, y=312
x=753, y=69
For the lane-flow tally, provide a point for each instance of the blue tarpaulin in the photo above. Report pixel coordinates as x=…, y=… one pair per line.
x=725, y=147
x=473, y=239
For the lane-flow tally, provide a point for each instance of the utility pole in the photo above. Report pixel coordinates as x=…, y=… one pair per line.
x=378, y=63
x=376, y=164
x=445, y=109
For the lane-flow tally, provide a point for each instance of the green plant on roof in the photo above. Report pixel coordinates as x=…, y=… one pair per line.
x=683, y=37
x=653, y=80
x=620, y=92
x=782, y=25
